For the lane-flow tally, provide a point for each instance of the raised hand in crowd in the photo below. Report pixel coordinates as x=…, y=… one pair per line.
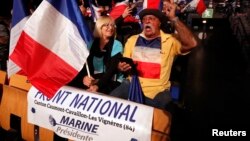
x=184, y=34
x=170, y=8
x=127, y=12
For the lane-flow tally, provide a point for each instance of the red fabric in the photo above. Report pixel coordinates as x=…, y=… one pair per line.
x=118, y=11
x=153, y=4
x=148, y=70
x=201, y=7
x=46, y=75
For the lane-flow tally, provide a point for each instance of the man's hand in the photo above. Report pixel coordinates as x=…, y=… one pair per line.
x=170, y=8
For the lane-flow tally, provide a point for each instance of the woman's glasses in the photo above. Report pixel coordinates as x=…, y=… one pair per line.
x=109, y=25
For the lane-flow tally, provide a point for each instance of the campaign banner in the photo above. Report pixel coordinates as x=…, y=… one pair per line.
x=80, y=115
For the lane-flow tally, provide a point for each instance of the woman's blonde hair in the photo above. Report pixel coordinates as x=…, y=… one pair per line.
x=99, y=23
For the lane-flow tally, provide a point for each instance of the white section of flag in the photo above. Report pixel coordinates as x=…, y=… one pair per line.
x=64, y=38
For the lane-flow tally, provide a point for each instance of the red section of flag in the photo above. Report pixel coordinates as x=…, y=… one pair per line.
x=201, y=7
x=153, y=4
x=47, y=75
x=148, y=70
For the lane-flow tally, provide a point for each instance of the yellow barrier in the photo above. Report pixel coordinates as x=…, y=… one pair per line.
x=161, y=125
x=14, y=101
x=19, y=81
x=3, y=76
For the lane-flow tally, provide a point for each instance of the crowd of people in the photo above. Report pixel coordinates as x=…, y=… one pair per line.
x=152, y=40
x=129, y=41
x=150, y=37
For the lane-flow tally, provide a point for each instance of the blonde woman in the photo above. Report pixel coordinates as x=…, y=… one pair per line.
x=104, y=56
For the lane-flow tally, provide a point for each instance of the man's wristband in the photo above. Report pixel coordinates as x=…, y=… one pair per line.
x=174, y=20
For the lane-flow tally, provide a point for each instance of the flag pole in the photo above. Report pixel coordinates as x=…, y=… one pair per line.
x=87, y=67
x=183, y=9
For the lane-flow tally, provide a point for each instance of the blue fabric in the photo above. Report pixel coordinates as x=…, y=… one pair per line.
x=70, y=9
x=154, y=43
x=98, y=64
x=135, y=90
x=20, y=11
x=175, y=92
x=91, y=4
x=117, y=48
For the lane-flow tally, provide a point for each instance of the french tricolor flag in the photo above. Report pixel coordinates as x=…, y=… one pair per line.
x=20, y=16
x=95, y=11
x=52, y=47
x=155, y=4
x=199, y=5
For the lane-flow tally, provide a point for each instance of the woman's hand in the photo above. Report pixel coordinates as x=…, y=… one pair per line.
x=87, y=81
x=93, y=88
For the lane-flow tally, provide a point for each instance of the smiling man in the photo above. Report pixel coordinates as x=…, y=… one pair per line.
x=153, y=52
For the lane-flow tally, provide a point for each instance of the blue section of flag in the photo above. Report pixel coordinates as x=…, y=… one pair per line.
x=175, y=92
x=20, y=11
x=135, y=90
x=91, y=5
x=70, y=9
x=154, y=43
